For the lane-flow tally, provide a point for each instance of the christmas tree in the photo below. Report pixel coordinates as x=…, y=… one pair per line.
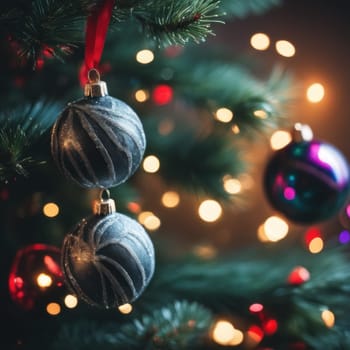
x=159, y=189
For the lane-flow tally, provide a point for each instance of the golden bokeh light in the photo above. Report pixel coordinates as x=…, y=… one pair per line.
x=125, y=309
x=152, y=222
x=232, y=185
x=260, y=113
x=43, y=280
x=209, y=210
x=145, y=56
x=71, y=301
x=224, y=115
x=275, y=228
x=285, y=48
x=51, y=210
x=328, y=318
x=235, y=129
x=260, y=41
x=141, y=95
x=315, y=93
x=279, y=139
x=223, y=332
x=143, y=216
x=316, y=245
x=151, y=164
x=53, y=309
x=170, y=199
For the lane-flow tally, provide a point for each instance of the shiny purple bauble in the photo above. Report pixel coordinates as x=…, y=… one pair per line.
x=307, y=181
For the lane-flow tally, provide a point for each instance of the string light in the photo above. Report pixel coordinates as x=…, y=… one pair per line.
x=315, y=93
x=328, y=318
x=225, y=334
x=285, y=48
x=125, y=309
x=151, y=164
x=152, y=222
x=141, y=95
x=162, y=94
x=279, y=139
x=316, y=245
x=275, y=228
x=43, y=280
x=260, y=41
x=144, y=56
x=53, y=309
x=209, y=210
x=71, y=301
x=231, y=185
x=143, y=216
x=235, y=129
x=224, y=115
x=260, y=113
x=170, y=199
x=51, y=210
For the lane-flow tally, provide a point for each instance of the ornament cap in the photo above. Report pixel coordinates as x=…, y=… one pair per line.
x=95, y=87
x=302, y=132
x=104, y=206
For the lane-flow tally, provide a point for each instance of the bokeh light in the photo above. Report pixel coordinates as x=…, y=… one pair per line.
x=232, y=185
x=275, y=228
x=328, y=318
x=225, y=334
x=144, y=56
x=162, y=94
x=151, y=164
x=279, y=139
x=152, y=222
x=316, y=245
x=224, y=115
x=51, y=210
x=141, y=95
x=344, y=237
x=170, y=199
x=260, y=41
x=53, y=309
x=315, y=93
x=71, y=301
x=285, y=48
x=209, y=210
x=43, y=280
x=125, y=309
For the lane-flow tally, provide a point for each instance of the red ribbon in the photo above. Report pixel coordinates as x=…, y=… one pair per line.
x=96, y=31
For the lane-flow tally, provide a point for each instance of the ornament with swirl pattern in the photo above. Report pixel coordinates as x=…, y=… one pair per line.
x=98, y=141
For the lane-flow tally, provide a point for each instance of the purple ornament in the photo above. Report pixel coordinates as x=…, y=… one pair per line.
x=307, y=181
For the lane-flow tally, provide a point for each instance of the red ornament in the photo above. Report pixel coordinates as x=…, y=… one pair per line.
x=298, y=275
x=35, y=277
x=162, y=94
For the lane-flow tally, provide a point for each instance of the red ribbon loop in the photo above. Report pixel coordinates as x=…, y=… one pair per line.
x=96, y=31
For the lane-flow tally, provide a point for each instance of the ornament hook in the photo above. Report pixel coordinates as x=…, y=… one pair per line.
x=105, y=205
x=95, y=87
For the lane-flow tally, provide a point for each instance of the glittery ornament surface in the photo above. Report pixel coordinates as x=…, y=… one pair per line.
x=108, y=260
x=98, y=142
x=307, y=181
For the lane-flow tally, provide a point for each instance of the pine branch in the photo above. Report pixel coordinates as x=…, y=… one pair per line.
x=180, y=325
x=21, y=128
x=214, y=154
x=178, y=22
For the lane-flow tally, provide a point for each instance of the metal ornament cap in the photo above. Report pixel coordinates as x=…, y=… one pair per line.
x=95, y=87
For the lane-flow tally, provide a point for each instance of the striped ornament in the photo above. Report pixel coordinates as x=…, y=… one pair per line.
x=108, y=261
x=98, y=142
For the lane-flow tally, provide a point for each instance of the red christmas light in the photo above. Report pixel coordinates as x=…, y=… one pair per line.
x=298, y=275
x=162, y=94
x=270, y=326
x=312, y=233
x=255, y=333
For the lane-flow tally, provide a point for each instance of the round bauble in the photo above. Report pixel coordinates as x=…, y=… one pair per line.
x=98, y=142
x=108, y=260
x=36, y=277
x=307, y=181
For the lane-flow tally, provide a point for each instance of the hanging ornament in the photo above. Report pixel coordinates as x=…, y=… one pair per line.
x=98, y=140
x=36, y=277
x=108, y=259
x=307, y=180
